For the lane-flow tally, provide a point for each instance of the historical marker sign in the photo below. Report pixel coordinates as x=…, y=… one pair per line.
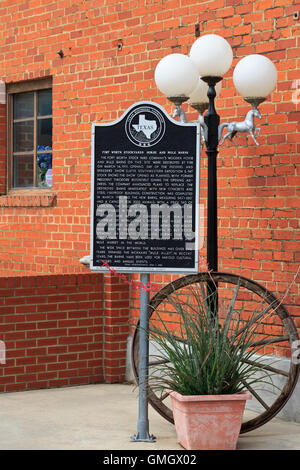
x=145, y=192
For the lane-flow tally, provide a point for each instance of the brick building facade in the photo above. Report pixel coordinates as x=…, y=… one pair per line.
x=98, y=58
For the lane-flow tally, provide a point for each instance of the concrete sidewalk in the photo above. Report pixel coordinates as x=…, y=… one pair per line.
x=104, y=417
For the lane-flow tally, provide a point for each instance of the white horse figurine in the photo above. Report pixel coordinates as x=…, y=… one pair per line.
x=178, y=112
x=203, y=128
x=244, y=126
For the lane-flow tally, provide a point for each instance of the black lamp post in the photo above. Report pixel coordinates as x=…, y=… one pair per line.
x=212, y=121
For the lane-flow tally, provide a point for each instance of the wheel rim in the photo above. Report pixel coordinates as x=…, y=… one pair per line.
x=244, y=292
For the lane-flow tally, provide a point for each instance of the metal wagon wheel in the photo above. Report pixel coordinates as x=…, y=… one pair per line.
x=276, y=333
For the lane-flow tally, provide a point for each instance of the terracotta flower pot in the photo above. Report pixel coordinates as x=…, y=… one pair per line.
x=208, y=422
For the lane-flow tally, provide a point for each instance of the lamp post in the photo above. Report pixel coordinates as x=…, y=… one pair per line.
x=210, y=58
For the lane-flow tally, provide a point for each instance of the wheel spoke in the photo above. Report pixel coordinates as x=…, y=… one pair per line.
x=258, y=398
x=164, y=396
x=158, y=363
x=265, y=342
x=269, y=368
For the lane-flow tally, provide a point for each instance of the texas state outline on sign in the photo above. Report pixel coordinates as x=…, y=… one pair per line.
x=145, y=126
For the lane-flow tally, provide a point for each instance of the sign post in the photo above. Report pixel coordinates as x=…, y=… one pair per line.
x=143, y=422
x=144, y=207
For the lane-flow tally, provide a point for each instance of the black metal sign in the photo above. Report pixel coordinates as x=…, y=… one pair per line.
x=144, y=213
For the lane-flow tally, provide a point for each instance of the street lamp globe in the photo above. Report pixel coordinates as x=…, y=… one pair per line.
x=255, y=76
x=212, y=55
x=176, y=76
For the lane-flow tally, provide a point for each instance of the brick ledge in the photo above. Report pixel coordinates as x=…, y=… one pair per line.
x=28, y=200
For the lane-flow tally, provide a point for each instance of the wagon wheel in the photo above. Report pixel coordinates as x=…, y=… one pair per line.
x=276, y=332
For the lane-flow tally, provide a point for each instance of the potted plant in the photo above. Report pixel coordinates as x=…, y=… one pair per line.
x=205, y=359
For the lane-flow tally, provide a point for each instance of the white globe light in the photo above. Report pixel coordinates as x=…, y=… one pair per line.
x=212, y=55
x=176, y=75
x=255, y=76
x=199, y=95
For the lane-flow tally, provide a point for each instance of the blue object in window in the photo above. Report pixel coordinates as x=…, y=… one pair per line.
x=44, y=163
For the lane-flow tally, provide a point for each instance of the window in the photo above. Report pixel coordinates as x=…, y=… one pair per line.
x=30, y=134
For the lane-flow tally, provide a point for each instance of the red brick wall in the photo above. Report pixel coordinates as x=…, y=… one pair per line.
x=258, y=187
x=60, y=331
